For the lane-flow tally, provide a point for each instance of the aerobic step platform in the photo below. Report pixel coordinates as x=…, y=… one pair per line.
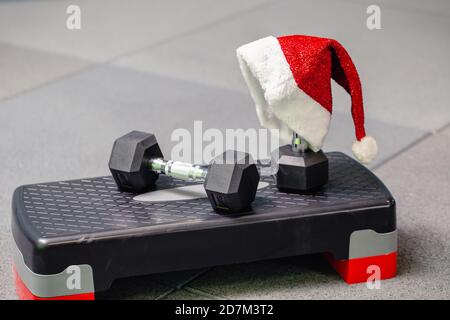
x=74, y=238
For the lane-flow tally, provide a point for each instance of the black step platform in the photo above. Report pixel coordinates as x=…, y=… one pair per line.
x=74, y=238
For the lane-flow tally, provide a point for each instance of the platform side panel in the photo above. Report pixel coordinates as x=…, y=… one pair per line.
x=172, y=251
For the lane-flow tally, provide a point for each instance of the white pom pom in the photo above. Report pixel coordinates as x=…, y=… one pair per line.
x=365, y=150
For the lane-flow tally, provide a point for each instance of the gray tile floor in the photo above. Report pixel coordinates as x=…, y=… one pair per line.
x=160, y=65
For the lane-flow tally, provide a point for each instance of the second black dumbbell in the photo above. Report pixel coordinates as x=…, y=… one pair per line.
x=230, y=180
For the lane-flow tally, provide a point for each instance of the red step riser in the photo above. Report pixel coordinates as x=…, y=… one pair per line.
x=355, y=270
x=351, y=270
x=25, y=294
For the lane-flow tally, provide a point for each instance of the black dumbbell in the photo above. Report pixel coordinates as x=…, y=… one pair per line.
x=298, y=169
x=230, y=180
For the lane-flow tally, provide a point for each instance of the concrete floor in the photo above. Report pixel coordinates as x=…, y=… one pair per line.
x=160, y=65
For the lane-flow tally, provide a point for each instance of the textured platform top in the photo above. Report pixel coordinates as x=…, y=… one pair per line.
x=94, y=208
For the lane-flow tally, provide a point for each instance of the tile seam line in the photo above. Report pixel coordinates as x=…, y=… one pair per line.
x=425, y=136
x=184, y=283
x=411, y=145
x=203, y=293
x=190, y=290
x=443, y=128
x=166, y=293
x=195, y=30
x=94, y=65
x=54, y=80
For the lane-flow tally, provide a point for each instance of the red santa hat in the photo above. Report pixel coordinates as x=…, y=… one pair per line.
x=289, y=81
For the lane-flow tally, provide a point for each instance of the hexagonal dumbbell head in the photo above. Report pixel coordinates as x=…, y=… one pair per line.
x=231, y=181
x=129, y=161
x=300, y=171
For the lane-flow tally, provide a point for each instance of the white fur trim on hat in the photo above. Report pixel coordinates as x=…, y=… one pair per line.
x=365, y=150
x=278, y=99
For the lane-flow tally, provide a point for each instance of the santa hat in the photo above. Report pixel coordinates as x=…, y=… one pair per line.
x=289, y=81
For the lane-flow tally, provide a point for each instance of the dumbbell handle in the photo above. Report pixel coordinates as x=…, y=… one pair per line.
x=179, y=170
x=298, y=144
